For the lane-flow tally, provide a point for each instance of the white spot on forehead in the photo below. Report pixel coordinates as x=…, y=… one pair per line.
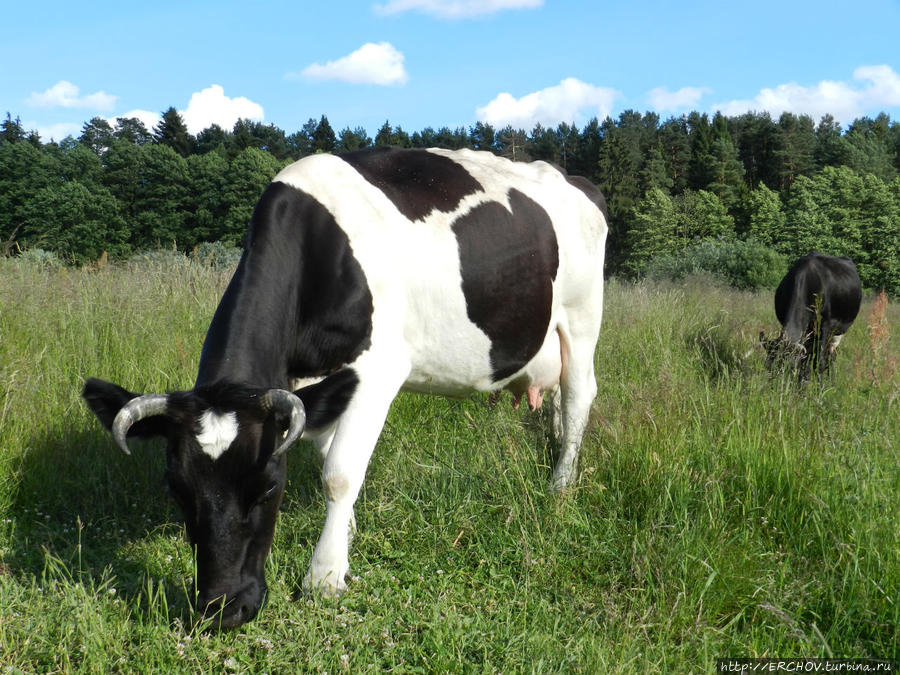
x=217, y=432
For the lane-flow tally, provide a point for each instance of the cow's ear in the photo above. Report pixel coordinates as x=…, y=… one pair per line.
x=106, y=399
x=327, y=400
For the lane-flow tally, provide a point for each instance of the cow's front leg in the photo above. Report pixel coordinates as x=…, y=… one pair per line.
x=342, y=476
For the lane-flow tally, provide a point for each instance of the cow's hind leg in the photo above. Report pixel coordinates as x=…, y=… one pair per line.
x=343, y=473
x=578, y=388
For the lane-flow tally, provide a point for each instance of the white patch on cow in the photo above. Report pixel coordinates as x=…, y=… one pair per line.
x=296, y=383
x=419, y=307
x=217, y=432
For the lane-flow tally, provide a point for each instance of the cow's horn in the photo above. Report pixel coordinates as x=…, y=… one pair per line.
x=288, y=404
x=134, y=411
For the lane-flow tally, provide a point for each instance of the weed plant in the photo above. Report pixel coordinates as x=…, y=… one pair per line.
x=720, y=511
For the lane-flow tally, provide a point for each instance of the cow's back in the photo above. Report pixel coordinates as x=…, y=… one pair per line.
x=818, y=288
x=471, y=257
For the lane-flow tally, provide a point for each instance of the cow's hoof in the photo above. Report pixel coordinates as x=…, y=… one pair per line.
x=325, y=588
x=563, y=477
x=560, y=485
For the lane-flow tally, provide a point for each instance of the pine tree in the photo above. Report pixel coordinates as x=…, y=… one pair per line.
x=869, y=150
x=588, y=154
x=214, y=138
x=654, y=173
x=700, y=170
x=323, y=139
x=300, y=142
x=351, y=140
x=796, y=144
x=172, y=132
x=544, y=144
x=675, y=148
x=132, y=130
x=569, y=142
x=247, y=176
x=11, y=130
x=726, y=170
x=160, y=198
x=652, y=233
x=831, y=147
x=205, y=203
x=756, y=138
x=482, y=137
x=512, y=143
x=97, y=135
x=765, y=215
x=243, y=137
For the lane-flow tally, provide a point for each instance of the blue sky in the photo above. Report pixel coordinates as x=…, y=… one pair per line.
x=420, y=63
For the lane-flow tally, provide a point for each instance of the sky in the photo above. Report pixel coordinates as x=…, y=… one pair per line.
x=435, y=63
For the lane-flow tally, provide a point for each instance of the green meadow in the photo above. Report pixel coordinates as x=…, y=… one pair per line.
x=720, y=510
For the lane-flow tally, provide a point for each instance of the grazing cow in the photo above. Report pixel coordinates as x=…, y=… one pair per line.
x=364, y=274
x=815, y=303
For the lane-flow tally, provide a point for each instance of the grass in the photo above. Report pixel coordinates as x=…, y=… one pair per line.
x=719, y=512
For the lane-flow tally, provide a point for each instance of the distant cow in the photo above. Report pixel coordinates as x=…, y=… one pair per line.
x=815, y=303
x=364, y=274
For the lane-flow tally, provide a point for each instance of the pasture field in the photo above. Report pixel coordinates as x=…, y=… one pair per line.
x=719, y=511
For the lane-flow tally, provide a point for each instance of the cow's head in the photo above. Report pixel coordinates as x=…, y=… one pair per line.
x=226, y=470
x=782, y=354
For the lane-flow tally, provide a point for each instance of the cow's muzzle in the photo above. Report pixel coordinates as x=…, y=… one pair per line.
x=230, y=610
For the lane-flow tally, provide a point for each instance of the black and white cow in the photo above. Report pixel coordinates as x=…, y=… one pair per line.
x=364, y=274
x=816, y=303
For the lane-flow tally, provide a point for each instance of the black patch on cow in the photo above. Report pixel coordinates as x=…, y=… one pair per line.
x=508, y=262
x=327, y=400
x=298, y=305
x=416, y=181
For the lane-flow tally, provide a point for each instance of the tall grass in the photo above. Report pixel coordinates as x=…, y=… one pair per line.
x=720, y=511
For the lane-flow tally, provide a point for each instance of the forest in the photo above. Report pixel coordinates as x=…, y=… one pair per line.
x=750, y=188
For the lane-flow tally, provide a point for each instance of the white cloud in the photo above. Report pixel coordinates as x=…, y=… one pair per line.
x=455, y=9
x=662, y=100
x=64, y=94
x=884, y=89
x=147, y=118
x=212, y=106
x=55, y=132
x=569, y=101
x=372, y=63
x=873, y=88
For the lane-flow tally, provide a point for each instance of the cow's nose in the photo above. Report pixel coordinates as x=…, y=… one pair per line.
x=230, y=610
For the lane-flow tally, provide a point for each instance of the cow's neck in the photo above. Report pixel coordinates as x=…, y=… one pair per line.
x=298, y=305
x=248, y=341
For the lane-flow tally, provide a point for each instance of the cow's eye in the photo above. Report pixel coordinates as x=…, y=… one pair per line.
x=267, y=496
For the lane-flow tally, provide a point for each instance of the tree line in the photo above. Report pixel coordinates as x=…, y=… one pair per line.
x=790, y=184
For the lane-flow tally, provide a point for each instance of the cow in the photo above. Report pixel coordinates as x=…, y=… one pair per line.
x=816, y=302
x=363, y=274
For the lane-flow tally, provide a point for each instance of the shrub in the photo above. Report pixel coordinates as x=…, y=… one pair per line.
x=217, y=254
x=159, y=258
x=40, y=258
x=743, y=264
